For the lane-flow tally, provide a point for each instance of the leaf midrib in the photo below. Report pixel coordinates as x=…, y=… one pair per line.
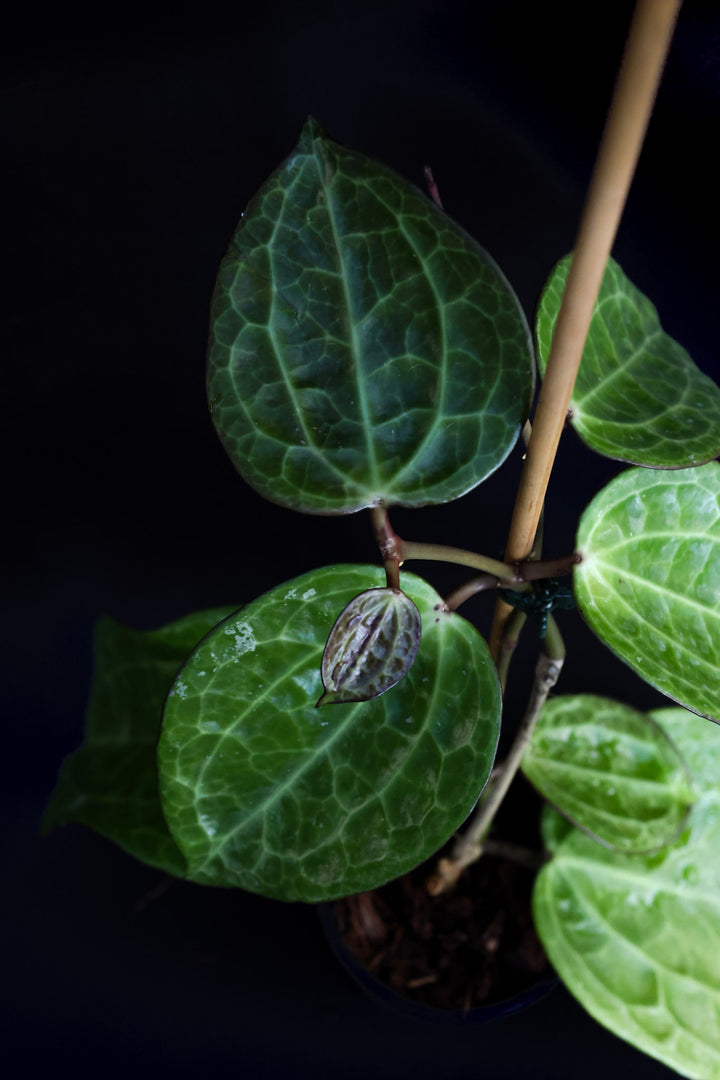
x=354, y=342
x=440, y=412
x=662, y=672
x=594, y=869
x=580, y=400
x=309, y=760
x=679, y=598
x=589, y=770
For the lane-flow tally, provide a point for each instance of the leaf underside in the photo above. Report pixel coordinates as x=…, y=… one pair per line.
x=609, y=769
x=637, y=938
x=638, y=396
x=649, y=580
x=265, y=792
x=111, y=782
x=363, y=347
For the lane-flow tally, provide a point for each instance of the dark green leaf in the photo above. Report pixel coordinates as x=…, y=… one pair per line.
x=638, y=396
x=363, y=346
x=111, y=782
x=264, y=791
x=649, y=580
x=609, y=769
x=636, y=938
x=371, y=646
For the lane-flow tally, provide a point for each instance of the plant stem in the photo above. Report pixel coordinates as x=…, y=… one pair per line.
x=525, y=572
x=470, y=845
x=515, y=853
x=395, y=551
x=411, y=549
x=635, y=89
x=508, y=643
x=535, y=569
x=388, y=542
x=470, y=588
x=432, y=186
x=515, y=623
x=507, y=575
x=554, y=644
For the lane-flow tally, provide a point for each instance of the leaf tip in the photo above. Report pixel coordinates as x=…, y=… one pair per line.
x=312, y=129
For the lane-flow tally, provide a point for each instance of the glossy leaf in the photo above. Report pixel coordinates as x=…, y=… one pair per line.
x=363, y=346
x=611, y=770
x=638, y=396
x=264, y=791
x=649, y=580
x=637, y=938
x=111, y=783
x=371, y=646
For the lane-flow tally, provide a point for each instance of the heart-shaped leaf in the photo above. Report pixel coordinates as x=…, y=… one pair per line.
x=636, y=938
x=363, y=347
x=649, y=580
x=111, y=782
x=371, y=646
x=610, y=770
x=263, y=791
x=638, y=396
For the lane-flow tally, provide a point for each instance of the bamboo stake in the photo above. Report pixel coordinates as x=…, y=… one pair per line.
x=633, y=99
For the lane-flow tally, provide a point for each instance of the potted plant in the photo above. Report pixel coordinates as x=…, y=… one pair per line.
x=366, y=353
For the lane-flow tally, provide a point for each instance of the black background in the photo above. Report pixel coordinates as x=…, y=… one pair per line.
x=132, y=141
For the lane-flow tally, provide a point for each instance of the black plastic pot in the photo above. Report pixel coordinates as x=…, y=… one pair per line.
x=389, y=999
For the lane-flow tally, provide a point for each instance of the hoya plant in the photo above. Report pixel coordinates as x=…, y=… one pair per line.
x=334, y=733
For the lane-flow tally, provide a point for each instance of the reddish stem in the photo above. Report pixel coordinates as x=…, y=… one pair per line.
x=432, y=187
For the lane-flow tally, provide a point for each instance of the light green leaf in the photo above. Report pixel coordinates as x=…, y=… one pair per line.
x=637, y=938
x=363, y=346
x=264, y=791
x=111, y=783
x=610, y=770
x=371, y=646
x=638, y=396
x=649, y=580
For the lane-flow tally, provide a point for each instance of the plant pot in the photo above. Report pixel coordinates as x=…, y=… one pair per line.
x=462, y=958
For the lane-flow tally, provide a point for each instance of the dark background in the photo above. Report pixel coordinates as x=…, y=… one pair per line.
x=131, y=142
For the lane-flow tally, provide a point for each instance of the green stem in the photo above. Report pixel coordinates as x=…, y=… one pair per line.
x=525, y=573
x=411, y=549
x=522, y=856
x=554, y=644
x=395, y=551
x=470, y=845
x=508, y=576
x=508, y=643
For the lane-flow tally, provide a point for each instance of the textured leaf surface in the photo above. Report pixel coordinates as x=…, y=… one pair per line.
x=264, y=791
x=611, y=770
x=638, y=396
x=111, y=782
x=637, y=938
x=649, y=580
x=371, y=646
x=363, y=346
